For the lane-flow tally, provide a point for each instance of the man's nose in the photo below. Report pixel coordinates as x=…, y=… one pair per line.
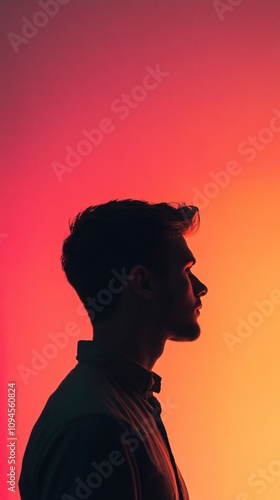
x=199, y=288
x=204, y=290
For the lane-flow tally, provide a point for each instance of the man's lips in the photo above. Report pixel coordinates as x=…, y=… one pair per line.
x=197, y=309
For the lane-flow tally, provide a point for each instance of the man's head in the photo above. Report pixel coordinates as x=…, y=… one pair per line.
x=181, y=293
x=111, y=242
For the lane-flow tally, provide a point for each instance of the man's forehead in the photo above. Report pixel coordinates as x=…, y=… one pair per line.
x=180, y=250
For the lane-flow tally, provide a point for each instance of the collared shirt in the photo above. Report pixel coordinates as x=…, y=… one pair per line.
x=100, y=436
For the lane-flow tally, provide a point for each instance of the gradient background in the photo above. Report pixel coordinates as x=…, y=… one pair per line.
x=222, y=86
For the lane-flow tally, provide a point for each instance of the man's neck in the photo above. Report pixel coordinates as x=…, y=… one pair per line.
x=134, y=345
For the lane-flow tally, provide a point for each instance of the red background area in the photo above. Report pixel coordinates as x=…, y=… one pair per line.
x=185, y=140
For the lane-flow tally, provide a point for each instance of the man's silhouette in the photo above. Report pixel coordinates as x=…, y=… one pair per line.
x=100, y=435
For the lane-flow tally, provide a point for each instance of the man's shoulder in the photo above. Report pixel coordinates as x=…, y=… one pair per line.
x=84, y=400
x=85, y=391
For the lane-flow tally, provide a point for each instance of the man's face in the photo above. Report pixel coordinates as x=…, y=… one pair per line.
x=181, y=293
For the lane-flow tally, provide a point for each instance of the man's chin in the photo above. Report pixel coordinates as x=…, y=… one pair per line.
x=186, y=335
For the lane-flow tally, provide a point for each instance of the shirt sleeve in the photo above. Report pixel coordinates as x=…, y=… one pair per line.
x=92, y=459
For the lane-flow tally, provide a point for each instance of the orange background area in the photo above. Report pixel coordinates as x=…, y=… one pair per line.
x=206, y=133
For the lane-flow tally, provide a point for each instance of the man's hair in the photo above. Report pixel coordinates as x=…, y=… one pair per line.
x=115, y=236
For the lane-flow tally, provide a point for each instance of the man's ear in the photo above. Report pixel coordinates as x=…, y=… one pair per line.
x=142, y=282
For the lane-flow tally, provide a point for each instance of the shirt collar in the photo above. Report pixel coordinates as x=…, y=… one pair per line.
x=121, y=367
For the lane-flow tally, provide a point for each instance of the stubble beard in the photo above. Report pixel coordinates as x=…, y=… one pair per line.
x=189, y=334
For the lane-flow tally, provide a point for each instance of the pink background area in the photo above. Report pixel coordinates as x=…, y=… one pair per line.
x=187, y=139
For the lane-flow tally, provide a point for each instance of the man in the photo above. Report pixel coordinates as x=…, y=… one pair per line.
x=100, y=435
